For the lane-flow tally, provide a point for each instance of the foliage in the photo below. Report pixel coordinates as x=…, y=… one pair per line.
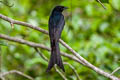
x=90, y=30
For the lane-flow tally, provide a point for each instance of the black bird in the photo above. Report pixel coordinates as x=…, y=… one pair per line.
x=56, y=24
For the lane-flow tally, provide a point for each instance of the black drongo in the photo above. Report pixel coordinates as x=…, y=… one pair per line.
x=56, y=24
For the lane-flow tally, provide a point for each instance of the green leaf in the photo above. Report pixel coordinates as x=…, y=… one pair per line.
x=116, y=4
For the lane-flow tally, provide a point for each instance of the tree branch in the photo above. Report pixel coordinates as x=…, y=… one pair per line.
x=23, y=24
x=78, y=59
x=115, y=70
x=35, y=45
x=15, y=71
x=32, y=44
x=15, y=39
x=87, y=64
x=101, y=4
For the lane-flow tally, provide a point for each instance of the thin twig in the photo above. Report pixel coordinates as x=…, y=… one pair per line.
x=63, y=76
x=42, y=56
x=81, y=59
x=101, y=4
x=117, y=69
x=78, y=78
x=15, y=71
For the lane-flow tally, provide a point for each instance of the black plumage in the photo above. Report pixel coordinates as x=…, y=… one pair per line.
x=56, y=25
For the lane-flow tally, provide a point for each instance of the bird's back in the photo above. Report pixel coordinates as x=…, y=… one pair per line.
x=56, y=23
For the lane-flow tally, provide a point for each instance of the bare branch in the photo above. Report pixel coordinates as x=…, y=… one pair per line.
x=115, y=70
x=101, y=4
x=15, y=39
x=78, y=78
x=32, y=44
x=78, y=59
x=15, y=71
x=23, y=24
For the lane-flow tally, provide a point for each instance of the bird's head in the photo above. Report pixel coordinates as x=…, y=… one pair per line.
x=60, y=8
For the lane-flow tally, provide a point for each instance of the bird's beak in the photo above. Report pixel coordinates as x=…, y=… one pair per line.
x=65, y=7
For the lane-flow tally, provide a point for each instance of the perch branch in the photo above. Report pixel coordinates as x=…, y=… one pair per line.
x=32, y=44
x=15, y=71
x=81, y=59
x=35, y=46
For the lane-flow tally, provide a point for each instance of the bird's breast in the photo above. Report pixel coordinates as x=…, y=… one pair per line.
x=57, y=16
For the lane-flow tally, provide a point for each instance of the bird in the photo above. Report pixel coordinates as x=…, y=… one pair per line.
x=56, y=24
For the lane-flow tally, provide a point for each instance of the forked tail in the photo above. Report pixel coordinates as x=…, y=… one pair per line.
x=55, y=56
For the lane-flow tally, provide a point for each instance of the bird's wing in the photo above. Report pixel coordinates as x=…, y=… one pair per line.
x=55, y=29
x=60, y=26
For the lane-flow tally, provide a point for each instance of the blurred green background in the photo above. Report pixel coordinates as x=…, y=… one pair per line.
x=90, y=30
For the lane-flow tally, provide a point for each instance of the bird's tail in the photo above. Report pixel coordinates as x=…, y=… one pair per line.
x=55, y=56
